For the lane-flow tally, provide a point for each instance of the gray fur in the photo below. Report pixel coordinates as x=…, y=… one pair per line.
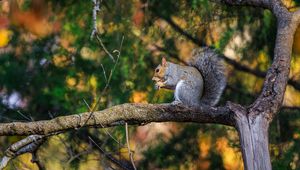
x=190, y=90
x=202, y=82
x=212, y=69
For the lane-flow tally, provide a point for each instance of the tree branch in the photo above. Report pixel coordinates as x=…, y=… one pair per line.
x=271, y=97
x=96, y=142
x=118, y=115
x=255, y=152
x=255, y=72
x=254, y=3
x=29, y=144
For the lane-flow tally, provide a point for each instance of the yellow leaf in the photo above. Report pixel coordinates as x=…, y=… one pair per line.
x=93, y=82
x=204, y=144
x=5, y=36
x=71, y=81
x=230, y=157
x=124, y=153
x=139, y=97
x=61, y=60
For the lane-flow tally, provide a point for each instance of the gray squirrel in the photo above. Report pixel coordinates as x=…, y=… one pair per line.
x=202, y=82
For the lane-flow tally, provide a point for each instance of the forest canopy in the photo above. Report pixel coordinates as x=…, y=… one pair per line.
x=51, y=64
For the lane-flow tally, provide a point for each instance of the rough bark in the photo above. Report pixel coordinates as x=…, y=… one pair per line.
x=139, y=114
x=252, y=123
x=253, y=133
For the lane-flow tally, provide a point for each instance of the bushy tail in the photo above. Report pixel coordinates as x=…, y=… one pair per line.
x=212, y=69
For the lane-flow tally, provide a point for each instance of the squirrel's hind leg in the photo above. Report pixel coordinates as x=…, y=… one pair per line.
x=179, y=95
x=186, y=94
x=177, y=102
x=178, y=91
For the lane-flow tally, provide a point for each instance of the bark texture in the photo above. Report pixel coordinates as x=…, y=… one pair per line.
x=138, y=114
x=252, y=122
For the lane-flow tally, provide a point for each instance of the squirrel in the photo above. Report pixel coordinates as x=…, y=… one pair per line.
x=201, y=82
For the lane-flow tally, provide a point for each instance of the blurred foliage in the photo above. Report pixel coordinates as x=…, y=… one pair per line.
x=50, y=67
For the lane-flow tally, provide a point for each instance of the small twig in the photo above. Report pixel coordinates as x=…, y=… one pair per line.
x=24, y=116
x=50, y=115
x=128, y=146
x=108, y=82
x=105, y=130
x=104, y=73
x=78, y=155
x=60, y=139
x=87, y=105
x=103, y=46
x=35, y=159
x=122, y=164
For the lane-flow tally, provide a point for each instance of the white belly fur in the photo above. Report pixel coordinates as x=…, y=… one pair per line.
x=178, y=86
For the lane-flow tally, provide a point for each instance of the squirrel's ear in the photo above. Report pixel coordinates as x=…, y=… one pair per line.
x=163, y=62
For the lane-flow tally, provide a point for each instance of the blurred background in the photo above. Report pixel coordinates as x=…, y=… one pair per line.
x=49, y=67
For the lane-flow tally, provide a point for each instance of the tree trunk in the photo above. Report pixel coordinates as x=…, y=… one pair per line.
x=252, y=122
x=253, y=133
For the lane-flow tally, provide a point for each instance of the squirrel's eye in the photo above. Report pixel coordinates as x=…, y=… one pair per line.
x=157, y=70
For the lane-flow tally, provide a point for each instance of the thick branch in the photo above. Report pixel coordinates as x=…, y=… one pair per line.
x=178, y=29
x=131, y=113
x=271, y=97
x=278, y=9
x=253, y=138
